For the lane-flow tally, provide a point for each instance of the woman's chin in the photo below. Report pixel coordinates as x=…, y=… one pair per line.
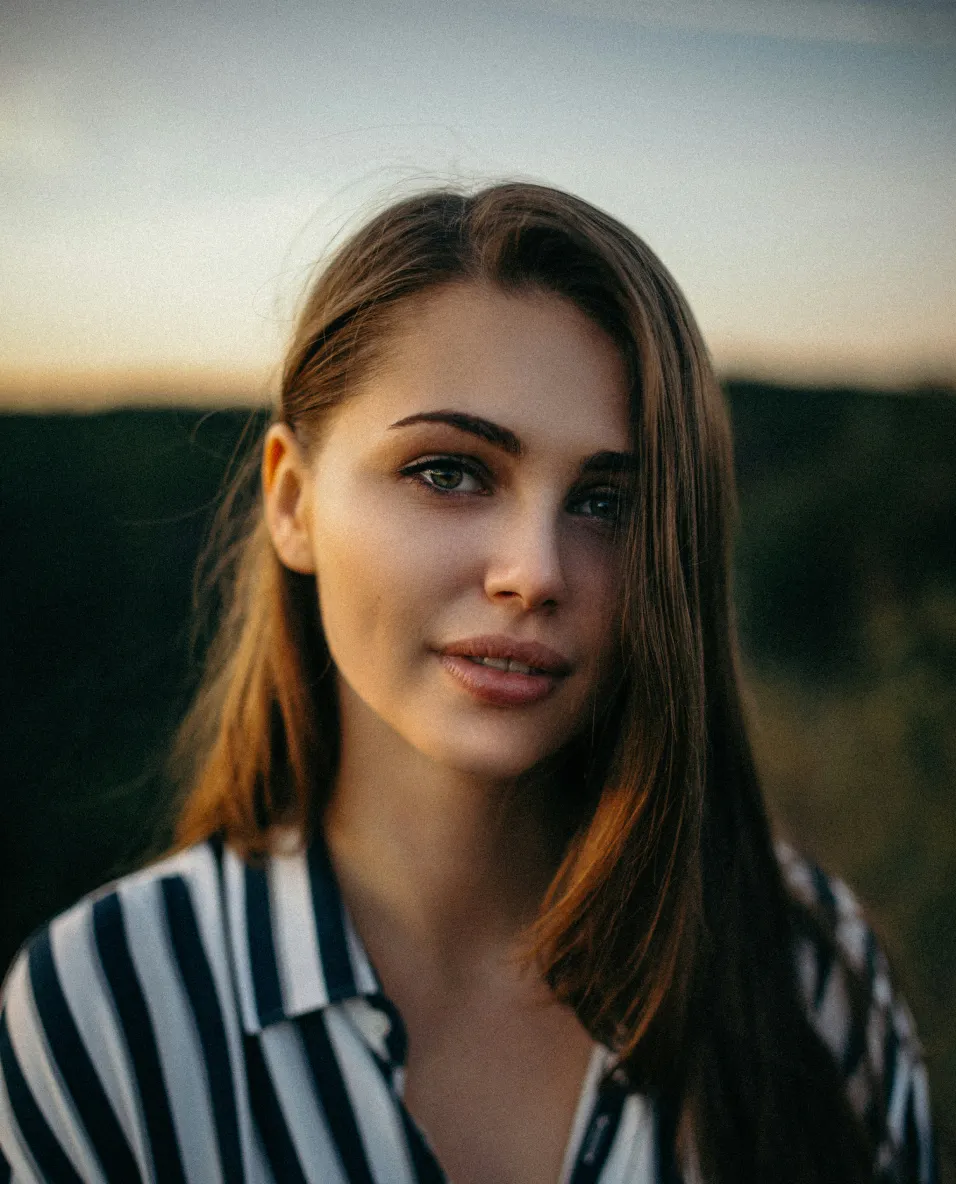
x=488, y=761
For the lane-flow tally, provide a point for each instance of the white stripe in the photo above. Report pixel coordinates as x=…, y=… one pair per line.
x=43, y=1079
x=632, y=1154
x=882, y=987
x=902, y=1081
x=807, y=968
x=291, y=1078
x=12, y=1143
x=876, y=1040
x=832, y=1018
x=365, y=980
x=924, y=1121
x=797, y=874
x=235, y=885
x=91, y=1005
x=16, y=1178
x=180, y=1054
x=296, y=941
x=372, y=1103
x=851, y=936
x=202, y=880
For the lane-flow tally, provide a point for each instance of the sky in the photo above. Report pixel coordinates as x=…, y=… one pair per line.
x=170, y=173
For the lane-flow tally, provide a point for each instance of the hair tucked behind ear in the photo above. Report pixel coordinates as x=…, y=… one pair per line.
x=667, y=927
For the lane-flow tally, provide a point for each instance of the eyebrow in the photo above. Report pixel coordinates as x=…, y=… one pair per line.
x=484, y=429
x=610, y=462
x=505, y=439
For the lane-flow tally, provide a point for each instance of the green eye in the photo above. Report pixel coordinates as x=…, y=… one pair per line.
x=447, y=475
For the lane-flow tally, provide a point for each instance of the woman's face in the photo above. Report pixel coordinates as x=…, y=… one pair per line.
x=459, y=516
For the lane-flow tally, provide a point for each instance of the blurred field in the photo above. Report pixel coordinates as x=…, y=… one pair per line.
x=847, y=594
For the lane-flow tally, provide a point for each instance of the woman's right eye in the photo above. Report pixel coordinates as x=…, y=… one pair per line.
x=446, y=474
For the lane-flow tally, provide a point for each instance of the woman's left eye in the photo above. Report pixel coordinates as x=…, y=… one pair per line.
x=446, y=474
x=605, y=505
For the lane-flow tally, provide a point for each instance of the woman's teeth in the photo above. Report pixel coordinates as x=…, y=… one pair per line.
x=506, y=664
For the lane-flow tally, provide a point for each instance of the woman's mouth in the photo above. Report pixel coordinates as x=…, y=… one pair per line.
x=504, y=672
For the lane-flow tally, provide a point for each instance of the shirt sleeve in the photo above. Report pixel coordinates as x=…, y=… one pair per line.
x=66, y=1104
x=863, y=1021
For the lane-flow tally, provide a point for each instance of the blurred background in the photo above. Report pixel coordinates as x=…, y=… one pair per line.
x=170, y=173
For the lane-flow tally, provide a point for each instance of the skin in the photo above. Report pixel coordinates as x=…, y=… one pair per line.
x=419, y=536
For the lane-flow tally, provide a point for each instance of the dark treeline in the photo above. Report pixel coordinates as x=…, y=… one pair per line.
x=847, y=594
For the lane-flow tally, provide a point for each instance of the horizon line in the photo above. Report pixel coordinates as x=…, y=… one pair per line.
x=82, y=391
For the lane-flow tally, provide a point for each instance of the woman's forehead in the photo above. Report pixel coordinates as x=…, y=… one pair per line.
x=530, y=362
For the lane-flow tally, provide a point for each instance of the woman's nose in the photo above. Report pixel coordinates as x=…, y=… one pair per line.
x=525, y=563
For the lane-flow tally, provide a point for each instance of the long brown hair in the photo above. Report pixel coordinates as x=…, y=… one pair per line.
x=666, y=927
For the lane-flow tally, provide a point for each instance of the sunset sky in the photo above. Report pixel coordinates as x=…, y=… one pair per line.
x=170, y=171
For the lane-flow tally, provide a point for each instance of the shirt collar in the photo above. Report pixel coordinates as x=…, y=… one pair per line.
x=293, y=944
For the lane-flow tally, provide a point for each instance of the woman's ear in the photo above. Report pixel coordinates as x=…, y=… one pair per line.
x=285, y=488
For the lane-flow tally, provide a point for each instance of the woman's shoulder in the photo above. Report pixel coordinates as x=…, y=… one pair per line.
x=852, y=1004
x=88, y=1005
x=158, y=899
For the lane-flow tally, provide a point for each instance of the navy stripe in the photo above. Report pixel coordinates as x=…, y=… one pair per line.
x=890, y=1054
x=262, y=951
x=396, y=1040
x=113, y=949
x=665, y=1140
x=911, y=1144
x=334, y=1097
x=47, y=1153
x=5, y=1170
x=75, y=1066
x=270, y=1122
x=870, y=952
x=330, y=924
x=827, y=903
x=601, y=1132
x=855, y=1045
x=196, y=975
x=424, y=1164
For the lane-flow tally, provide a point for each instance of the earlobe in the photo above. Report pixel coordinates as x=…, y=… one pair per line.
x=285, y=494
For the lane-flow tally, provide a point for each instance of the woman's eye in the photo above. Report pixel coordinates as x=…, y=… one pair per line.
x=605, y=505
x=446, y=475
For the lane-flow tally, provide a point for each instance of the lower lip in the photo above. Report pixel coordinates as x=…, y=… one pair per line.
x=503, y=688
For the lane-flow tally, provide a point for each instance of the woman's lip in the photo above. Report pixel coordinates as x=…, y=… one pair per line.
x=529, y=653
x=503, y=688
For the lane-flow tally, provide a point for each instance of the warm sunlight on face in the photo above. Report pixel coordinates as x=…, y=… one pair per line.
x=459, y=514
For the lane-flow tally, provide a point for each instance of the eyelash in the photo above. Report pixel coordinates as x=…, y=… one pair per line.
x=463, y=464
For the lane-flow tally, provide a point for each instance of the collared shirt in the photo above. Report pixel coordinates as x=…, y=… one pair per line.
x=211, y=1020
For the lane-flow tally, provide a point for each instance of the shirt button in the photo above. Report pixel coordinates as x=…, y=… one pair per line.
x=378, y=1026
x=374, y=1025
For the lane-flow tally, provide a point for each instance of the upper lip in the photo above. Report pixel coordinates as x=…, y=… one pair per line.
x=528, y=653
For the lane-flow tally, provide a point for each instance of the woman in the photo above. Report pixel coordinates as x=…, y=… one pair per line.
x=473, y=878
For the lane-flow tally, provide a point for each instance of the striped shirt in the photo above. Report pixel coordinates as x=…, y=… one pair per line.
x=212, y=1020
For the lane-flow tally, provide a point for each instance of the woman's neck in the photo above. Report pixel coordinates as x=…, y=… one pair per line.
x=452, y=864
